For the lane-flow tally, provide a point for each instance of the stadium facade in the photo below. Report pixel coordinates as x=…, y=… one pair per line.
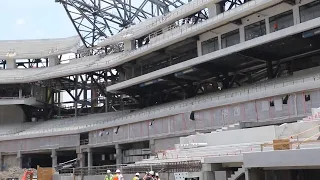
x=202, y=75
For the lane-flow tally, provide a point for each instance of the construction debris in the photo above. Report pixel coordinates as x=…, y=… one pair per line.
x=13, y=172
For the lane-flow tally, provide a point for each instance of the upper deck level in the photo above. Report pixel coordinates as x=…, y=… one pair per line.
x=40, y=48
x=248, y=14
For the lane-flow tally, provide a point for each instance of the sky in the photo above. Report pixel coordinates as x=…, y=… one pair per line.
x=34, y=19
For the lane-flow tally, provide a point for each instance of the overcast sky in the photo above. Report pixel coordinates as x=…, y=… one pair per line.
x=34, y=19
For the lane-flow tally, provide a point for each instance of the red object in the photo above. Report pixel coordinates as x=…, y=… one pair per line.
x=27, y=175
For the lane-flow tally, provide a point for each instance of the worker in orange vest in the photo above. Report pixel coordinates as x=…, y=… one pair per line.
x=118, y=175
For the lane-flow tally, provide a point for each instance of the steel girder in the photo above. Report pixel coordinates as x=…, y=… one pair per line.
x=95, y=20
x=226, y=5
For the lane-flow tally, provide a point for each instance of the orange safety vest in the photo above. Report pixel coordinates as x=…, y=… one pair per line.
x=115, y=177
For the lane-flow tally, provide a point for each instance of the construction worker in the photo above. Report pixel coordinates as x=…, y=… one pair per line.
x=157, y=176
x=118, y=175
x=136, y=177
x=108, y=176
x=150, y=176
x=145, y=176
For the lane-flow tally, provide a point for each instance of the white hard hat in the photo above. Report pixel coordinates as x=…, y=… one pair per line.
x=157, y=174
x=118, y=171
x=137, y=174
x=151, y=173
x=108, y=171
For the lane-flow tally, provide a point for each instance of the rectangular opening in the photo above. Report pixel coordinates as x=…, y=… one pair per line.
x=281, y=21
x=230, y=38
x=271, y=103
x=255, y=30
x=285, y=99
x=309, y=11
x=307, y=97
x=210, y=45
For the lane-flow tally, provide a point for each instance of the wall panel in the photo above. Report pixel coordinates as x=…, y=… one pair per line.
x=41, y=143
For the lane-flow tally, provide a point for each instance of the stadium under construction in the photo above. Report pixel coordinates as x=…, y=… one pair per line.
x=201, y=89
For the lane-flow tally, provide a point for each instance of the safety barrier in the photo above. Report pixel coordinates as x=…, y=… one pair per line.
x=185, y=166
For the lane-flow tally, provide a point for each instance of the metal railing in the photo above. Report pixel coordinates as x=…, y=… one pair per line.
x=185, y=166
x=84, y=142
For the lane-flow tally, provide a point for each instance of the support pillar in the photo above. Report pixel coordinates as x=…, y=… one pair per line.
x=128, y=45
x=53, y=61
x=296, y=15
x=76, y=96
x=152, y=147
x=266, y=20
x=59, y=103
x=219, y=42
x=106, y=100
x=19, y=159
x=208, y=173
x=214, y=9
x=269, y=69
x=11, y=64
x=90, y=162
x=199, y=48
x=1, y=162
x=54, y=157
x=242, y=34
x=20, y=92
x=81, y=157
x=118, y=154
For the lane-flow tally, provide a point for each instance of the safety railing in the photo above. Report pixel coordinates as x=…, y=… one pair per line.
x=183, y=166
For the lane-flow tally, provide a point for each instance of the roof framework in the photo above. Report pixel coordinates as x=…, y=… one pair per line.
x=94, y=20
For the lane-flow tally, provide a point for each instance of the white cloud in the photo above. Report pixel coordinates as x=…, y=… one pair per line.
x=20, y=22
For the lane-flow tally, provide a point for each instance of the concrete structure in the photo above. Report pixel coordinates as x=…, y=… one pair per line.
x=189, y=86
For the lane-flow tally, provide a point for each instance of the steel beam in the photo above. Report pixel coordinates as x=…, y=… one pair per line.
x=95, y=20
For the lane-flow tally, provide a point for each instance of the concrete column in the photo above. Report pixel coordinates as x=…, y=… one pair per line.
x=214, y=10
x=106, y=100
x=59, y=103
x=152, y=147
x=128, y=45
x=54, y=157
x=90, y=161
x=53, y=61
x=20, y=92
x=118, y=154
x=199, y=48
x=81, y=158
x=242, y=34
x=1, y=162
x=219, y=42
x=266, y=20
x=11, y=63
x=296, y=15
x=19, y=159
x=208, y=173
x=32, y=90
x=76, y=96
